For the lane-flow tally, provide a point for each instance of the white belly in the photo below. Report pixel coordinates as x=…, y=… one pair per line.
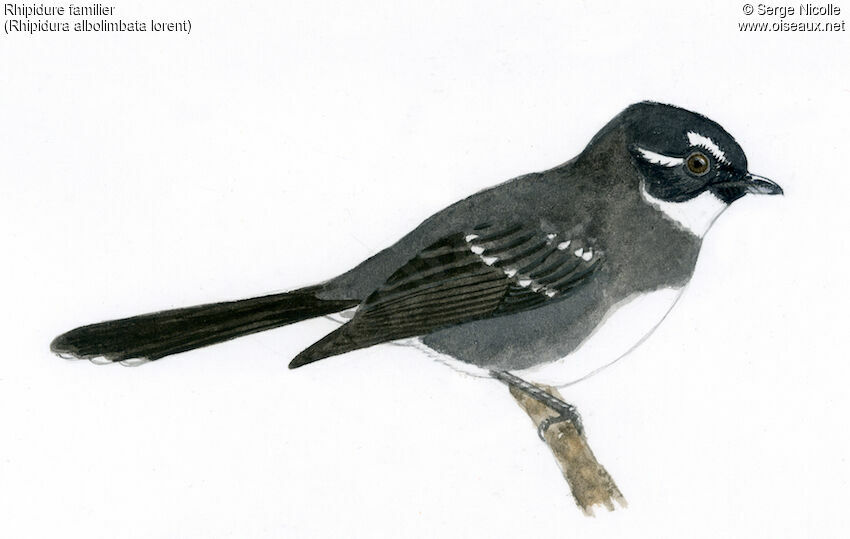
x=626, y=325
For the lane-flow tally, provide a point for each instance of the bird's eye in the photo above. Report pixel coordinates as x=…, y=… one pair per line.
x=698, y=163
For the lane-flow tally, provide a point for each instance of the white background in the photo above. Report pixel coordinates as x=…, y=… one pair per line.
x=281, y=143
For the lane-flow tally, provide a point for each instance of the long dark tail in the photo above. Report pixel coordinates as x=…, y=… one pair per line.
x=151, y=336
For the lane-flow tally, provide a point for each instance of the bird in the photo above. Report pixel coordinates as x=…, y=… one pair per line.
x=544, y=279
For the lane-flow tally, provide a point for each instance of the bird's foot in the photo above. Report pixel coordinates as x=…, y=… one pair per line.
x=565, y=410
x=568, y=413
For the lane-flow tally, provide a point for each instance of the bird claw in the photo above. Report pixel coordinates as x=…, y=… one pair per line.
x=564, y=410
x=570, y=415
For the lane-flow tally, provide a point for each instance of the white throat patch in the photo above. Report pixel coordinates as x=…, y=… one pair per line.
x=695, y=215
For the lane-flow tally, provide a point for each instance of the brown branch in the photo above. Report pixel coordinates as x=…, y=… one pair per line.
x=589, y=482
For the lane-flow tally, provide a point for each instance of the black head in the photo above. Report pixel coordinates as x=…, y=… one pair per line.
x=681, y=154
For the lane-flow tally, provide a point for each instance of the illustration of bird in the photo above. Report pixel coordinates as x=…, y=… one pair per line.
x=545, y=278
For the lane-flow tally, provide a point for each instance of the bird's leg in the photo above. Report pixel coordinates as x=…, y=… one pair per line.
x=566, y=411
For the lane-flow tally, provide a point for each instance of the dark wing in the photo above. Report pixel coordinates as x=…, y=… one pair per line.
x=479, y=274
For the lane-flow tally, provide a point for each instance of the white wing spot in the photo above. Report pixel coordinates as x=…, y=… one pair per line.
x=563, y=245
x=550, y=293
x=587, y=255
x=349, y=314
x=477, y=249
x=551, y=236
x=510, y=272
x=471, y=237
x=490, y=260
x=579, y=251
x=524, y=282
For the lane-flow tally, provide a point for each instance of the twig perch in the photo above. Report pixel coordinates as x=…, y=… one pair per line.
x=589, y=482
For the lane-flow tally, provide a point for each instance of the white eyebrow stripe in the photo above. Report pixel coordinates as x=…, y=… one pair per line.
x=660, y=159
x=700, y=140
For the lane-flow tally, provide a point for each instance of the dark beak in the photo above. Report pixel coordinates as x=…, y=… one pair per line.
x=759, y=185
x=732, y=190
